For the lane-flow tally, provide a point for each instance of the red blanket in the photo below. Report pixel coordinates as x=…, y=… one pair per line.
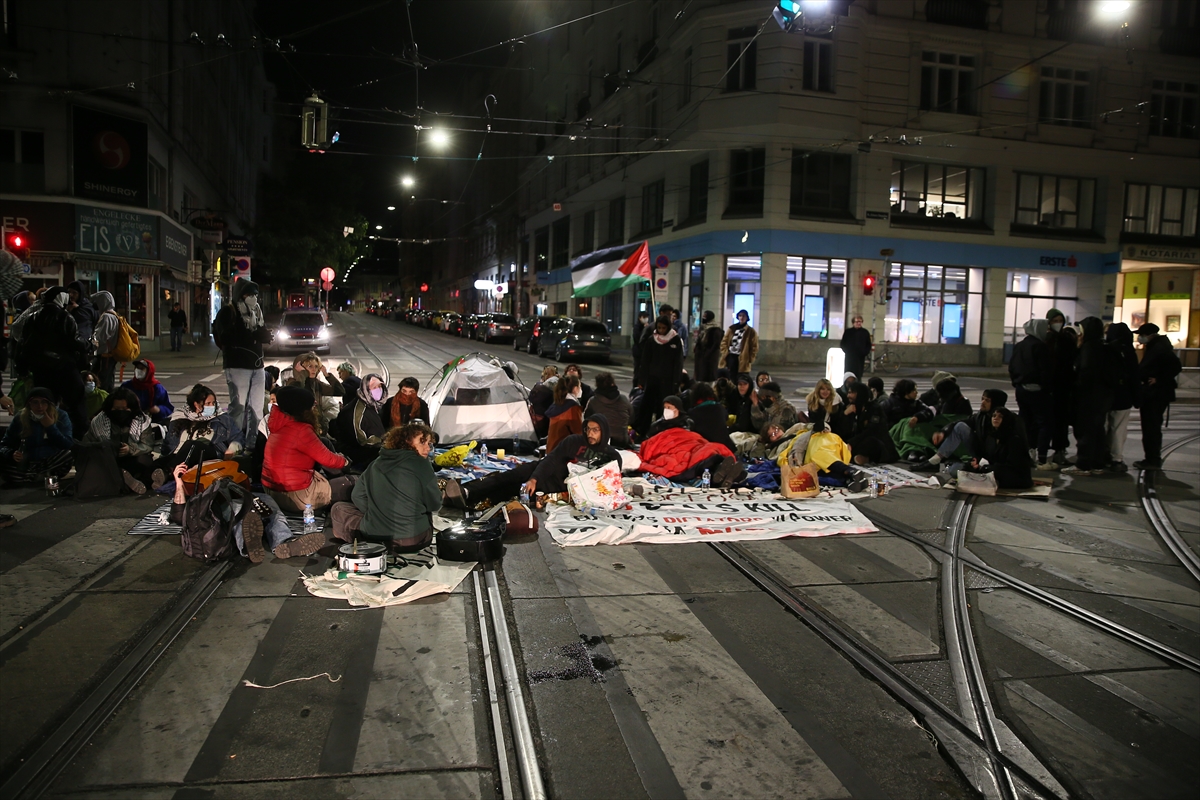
x=674, y=450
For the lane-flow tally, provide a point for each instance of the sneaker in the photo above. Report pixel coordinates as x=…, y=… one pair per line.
x=914, y=458
x=1074, y=469
x=135, y=486
x=252, y=534
x=861, y=460
x=1147, y=464
x=304, y=545
x=157, y=479
x=859, y=482
x=7, y=520
x=454, y=495
x=725, y=473
x=1118, y=466
x=928, y=466
x=1047, y=466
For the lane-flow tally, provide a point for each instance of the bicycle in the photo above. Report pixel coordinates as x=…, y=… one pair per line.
x=886, y=360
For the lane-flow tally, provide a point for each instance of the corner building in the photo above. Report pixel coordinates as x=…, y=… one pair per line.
x=1015, y=155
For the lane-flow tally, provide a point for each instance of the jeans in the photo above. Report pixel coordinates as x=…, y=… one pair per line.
x=959, y=435
x=247, y=387
x=1117, y=426
x=275, y=529
x=1036, y=414
x=177, y=339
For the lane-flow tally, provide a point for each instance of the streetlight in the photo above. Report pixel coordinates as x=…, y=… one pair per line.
x=407, y=181
x=438, y=137
x=391, y=208
x=378, y=227
x=1112, y=8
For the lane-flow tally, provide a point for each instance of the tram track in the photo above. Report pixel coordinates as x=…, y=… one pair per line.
x=1159, y=519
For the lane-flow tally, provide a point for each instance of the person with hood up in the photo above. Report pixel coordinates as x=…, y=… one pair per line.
x=953, y=436
x=85, y=315
x=1030, y=371
x=360, y=427
x=293, y=452
x=348, y=376
x=707, y=351
x=659, y=370
x=1094, y=368
x=122, y=422
x=150, y=393
x=1001, y=448
x=902, y=404
x=608, y=402
x=541, y=397
x=1157, y=373
x=708, y=417
x=406, y=406
x=930, y=397
x=38, y=442
x=394, y=500
x=105, y=334
x=240, y=330
x=566, y=415
x=199, y=431
x=950, y=400
x=867, y=428
x=740, y=403
x=848, y=379
x=1062, y=343
x=673, y=416
x=591, y=449
x=93, y=395
x=1125, y=392
x=49, y=350
x=772, y=409
x=739, y=346
x=857, y=345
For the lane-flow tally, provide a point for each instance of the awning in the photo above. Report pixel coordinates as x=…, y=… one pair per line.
x=90, y=262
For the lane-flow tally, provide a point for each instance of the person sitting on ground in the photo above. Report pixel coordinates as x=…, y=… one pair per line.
x=685, y=388
x=199, y=431
x=867, y=432
x=151, y=394
x=959, y=434
x=360, y=427
x=902, y=404
x=586, y=396
x=930, y=397
x=772, y=409
x=405, y=406
x=844, y=389
x=590, y=449
x=122, y=422
x=38, y=442
x=93, y=395
x=724, y=388
x=876, y=387
x=541, y=397
x=708, y=417
x=394, y=500
x=743, y=402
x=307, y=371
x=566, y=415
x=950, y=400
x=672, y=416
x=825, y=409
x=762, y=379
x=608, y=402
x=271, y=378
x=348, y=375
x=293, y=452
x=1002, y=444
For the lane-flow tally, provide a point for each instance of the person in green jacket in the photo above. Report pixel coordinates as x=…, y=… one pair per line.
x=93, y=395
x=394, y=500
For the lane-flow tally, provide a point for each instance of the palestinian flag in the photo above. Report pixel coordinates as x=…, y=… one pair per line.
x=607, y=270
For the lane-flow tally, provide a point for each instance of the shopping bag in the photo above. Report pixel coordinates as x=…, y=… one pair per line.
x=598, y=490
x=798, y=482
x=983, y=483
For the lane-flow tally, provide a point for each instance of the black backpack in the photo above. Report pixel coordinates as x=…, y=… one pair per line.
x=97, y=473
x=209, y=519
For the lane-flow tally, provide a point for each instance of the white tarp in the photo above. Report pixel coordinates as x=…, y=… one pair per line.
x=473, y=398
x=707, y=520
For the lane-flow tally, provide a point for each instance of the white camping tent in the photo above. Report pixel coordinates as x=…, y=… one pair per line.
x=476, y=396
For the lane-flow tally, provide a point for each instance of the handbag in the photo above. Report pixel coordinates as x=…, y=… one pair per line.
x=799, y=482
x=204, y=475
x=982, y=483
x=599, y=489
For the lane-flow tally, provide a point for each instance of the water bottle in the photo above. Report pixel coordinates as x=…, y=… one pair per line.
x=310, y=519
x=516, y=444
x=706, y=479
x=525, y=497
x=483, y=451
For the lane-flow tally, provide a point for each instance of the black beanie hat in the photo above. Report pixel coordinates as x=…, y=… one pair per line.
x=998, y=397
x=294, y=400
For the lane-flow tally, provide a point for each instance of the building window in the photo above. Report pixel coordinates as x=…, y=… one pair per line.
x=947, y=83
x=651, y=114
x=588, y=238
x=693, y=292
x=1029, y=295
x=697, y=207
x=685, y=79
x=933, y=304
x=936, y=193
x=541, y=249
x=616, y=220
x=652, y=208
x=820, y=184
x=561, y=255
x=1160, y=210
x=22, y=161
x=1052, y=201
x=156, y=181
x=818, y=66
x=1173, y=109
x=1064, y=97
x=747, y=178
x=741, y=60
x=815, y=303
x=743, y=283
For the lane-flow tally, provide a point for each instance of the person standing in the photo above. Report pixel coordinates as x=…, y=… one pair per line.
x=241, y=331
x=678, y=326
x=639, y=330
x=1157, y=374
x=50, y=350
x=85, y=316
x=178, y=325
x=707, y=350
x=1125, y=392
x=739, y=346
x=857, y=345
x=106, y=334
x=1093, y=399
x=1029, y=370
x=660, y=370
x=1062, y=343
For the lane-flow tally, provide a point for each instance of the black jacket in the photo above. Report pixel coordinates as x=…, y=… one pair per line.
x=241, y=347
x=1030, y=363
x=898, y=408
x=709, y=420
x=1159, y=362
x=856, y=343
x=664, y=424
x=1095, y=364
x=84, y=313
x=551, y=473
x=1125, y=384
x=661, y=364
x=52, y=330
x=1007, y=452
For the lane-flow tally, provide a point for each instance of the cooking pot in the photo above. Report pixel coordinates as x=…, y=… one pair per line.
x=362, y=558
x=472, y=540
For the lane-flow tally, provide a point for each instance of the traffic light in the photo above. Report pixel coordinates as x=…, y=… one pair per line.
x=18, y=245
x=869, y=284
x=786, y=12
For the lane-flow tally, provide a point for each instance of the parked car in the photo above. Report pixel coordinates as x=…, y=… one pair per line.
x=469, y=321
x=496, y=328
x=529, y=331
x=300, y=330
x=452, y=322
x=575, y=338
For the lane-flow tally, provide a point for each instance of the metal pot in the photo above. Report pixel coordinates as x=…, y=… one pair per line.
x=472, y=541
x=362, y=558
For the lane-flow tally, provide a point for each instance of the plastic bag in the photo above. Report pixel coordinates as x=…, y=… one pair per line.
x=454, y=456
x=599, y=490
x=983, y=483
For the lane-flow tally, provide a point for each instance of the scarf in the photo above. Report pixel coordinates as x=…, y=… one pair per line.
x=251, y=312
x=190, y=426
x=402, y=412
x=665, y=338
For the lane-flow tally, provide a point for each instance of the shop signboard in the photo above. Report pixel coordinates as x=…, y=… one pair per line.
x=1155, y=252
x=237, y=245
x=175, y=245
x=116, y=232
x=110, y=157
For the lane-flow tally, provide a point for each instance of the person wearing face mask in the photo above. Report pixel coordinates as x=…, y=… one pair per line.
x=406, y=406
x=93, y=395
x=360, y=428
x=586, y=391
x=660, y=369
x=197, y=432
x=672, y=416
x=38, y=442
x=150, y=393
x=773, y=409
x=1157, y=372
x=122, y=422
x=566, y=413
x=240, y=330
x=50, y=350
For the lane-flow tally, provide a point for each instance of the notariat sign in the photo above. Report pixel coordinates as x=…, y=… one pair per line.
x=1151, y=252
x=1058, y=261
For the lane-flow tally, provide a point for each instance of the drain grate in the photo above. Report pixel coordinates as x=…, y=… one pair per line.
x=977, y=580
x=934, y=678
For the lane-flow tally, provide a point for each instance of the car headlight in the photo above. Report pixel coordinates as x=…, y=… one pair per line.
x=323, y=334
x=282, y=335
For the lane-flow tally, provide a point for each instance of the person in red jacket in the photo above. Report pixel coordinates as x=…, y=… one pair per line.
x=293, y=452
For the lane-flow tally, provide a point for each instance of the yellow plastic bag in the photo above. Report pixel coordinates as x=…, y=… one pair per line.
x=454, y=456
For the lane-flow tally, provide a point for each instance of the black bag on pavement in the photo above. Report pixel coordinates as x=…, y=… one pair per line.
x=209, y=519
x=97, y=473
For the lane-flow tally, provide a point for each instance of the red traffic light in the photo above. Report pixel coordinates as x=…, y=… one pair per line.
x=16, y=241
x=424, y=287
x=18, y=245
x=869, y=283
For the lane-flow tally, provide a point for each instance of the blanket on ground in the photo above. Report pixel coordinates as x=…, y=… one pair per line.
x=673, y=451
x=919, y=438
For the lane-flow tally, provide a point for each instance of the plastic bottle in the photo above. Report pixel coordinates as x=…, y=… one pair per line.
x=706, y=479
x=310, y=519
x=516, y=444
x=483, y=451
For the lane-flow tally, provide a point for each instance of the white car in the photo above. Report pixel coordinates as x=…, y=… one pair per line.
x=302, y=329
